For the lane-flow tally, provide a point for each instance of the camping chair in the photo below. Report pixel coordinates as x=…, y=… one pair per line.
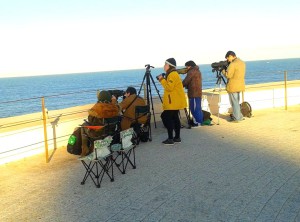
x=143, y=131
x=123, y=153
x=99, y=162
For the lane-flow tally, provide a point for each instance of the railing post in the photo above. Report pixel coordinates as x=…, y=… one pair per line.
x=285, y=89
x=45, y=129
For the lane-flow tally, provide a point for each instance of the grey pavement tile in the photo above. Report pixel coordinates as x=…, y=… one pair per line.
x=229, y=172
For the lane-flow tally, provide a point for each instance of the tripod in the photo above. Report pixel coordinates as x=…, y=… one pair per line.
x=218, y=88
x=147, y=78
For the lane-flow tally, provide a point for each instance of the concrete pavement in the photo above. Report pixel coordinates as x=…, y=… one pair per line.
x=248, y=171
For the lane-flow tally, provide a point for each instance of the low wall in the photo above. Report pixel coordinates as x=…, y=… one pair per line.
x=21, y=141
x=260, y=96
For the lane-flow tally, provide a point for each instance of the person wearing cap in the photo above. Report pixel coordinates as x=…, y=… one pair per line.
x=127, y=106
x=235, y=74
x=173, y=100
x=193, y=83
x=104, y=108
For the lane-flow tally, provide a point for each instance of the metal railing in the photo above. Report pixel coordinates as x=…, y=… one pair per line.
x=52, y=118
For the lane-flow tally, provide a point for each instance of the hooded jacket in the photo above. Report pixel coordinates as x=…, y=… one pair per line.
x=174, y=96
x=193, y=82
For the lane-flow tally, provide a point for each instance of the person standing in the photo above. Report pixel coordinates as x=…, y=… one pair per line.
x=193, y=83
x=173, y=100
x=235, y=74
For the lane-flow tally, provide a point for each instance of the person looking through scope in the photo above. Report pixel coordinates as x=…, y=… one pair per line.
x=193, y=83
x=173, y=101
x=235, y=74
x=127, y=106
x=103, y=109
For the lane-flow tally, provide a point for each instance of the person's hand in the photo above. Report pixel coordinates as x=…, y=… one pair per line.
x=160, y=77
x=223, y=71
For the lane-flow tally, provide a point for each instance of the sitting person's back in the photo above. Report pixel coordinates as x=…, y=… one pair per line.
x=128, y=105
x=102, y=111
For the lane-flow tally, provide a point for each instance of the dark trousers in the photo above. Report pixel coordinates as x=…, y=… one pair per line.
x=170, y=119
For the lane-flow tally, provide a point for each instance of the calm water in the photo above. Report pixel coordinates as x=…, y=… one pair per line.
x=67, y=90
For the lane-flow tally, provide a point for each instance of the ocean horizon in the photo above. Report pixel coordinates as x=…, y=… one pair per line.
x=22, y=95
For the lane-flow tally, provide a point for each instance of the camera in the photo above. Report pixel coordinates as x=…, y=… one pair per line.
x=162, y=74
x=219, y=66
x=116, y=92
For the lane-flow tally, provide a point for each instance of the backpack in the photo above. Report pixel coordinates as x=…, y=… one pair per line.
x=246, y=109
x=206, y=118
x=74, y=142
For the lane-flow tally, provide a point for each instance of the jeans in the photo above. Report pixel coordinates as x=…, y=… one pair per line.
x=234, y=99
x=196, y=110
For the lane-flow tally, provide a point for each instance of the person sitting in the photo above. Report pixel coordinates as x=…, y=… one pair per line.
x=102, y=110
x=127, y=106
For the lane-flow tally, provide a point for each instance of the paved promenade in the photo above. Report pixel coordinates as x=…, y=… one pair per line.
x=248, y=171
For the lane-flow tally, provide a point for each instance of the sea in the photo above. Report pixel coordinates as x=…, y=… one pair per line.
x=22, y=95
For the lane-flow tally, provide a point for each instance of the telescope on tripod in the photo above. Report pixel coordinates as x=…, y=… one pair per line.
x=218, y=67
x=148, y=91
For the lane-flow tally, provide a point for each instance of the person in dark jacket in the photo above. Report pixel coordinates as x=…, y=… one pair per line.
x=193, y=83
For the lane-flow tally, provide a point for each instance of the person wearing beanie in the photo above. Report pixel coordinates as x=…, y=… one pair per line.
x=102, y=110
x=173, y=101
x=193, y=83
x=127, y=106
x=235, y=74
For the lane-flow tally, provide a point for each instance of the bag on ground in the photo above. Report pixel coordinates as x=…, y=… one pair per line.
x=246, y=109
x=75, y=142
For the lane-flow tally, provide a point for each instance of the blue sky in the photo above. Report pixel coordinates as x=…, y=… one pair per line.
x=63, y=36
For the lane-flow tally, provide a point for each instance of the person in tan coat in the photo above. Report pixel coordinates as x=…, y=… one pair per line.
x=235, y=75
x=127, y=106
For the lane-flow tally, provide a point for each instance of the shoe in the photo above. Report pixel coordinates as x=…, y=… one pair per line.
x=168, y=142
x=235, y=121
x=196, y=125
x=177, y=140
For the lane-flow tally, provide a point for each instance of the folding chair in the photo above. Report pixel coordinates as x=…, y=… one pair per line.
x=99, y=162
x=124, y=152
x=143, y=131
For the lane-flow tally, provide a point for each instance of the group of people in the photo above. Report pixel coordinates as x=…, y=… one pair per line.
x=106, y=108
x=174, y=98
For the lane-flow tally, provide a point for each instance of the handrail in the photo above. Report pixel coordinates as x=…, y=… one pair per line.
x=67, y=116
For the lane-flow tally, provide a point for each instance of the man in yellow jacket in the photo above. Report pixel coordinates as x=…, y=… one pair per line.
x=235, y=74
x=173, y=100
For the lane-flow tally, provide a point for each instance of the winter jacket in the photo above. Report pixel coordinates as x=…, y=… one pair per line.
x=174, y=96
x=236, y=76
x=193, y=82
x=129, y=113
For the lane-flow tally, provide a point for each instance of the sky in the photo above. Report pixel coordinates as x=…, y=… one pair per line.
x=41, y=37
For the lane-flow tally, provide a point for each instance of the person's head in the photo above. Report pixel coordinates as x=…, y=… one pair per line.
x=130, y=91
x=230, y=55
x=190, y=64
x=170, y=64
x=104, y=97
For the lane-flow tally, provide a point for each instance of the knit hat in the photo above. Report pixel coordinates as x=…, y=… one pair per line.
x=229, y=53
x=104, y=96
x=171, y=62
x=190, y=63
